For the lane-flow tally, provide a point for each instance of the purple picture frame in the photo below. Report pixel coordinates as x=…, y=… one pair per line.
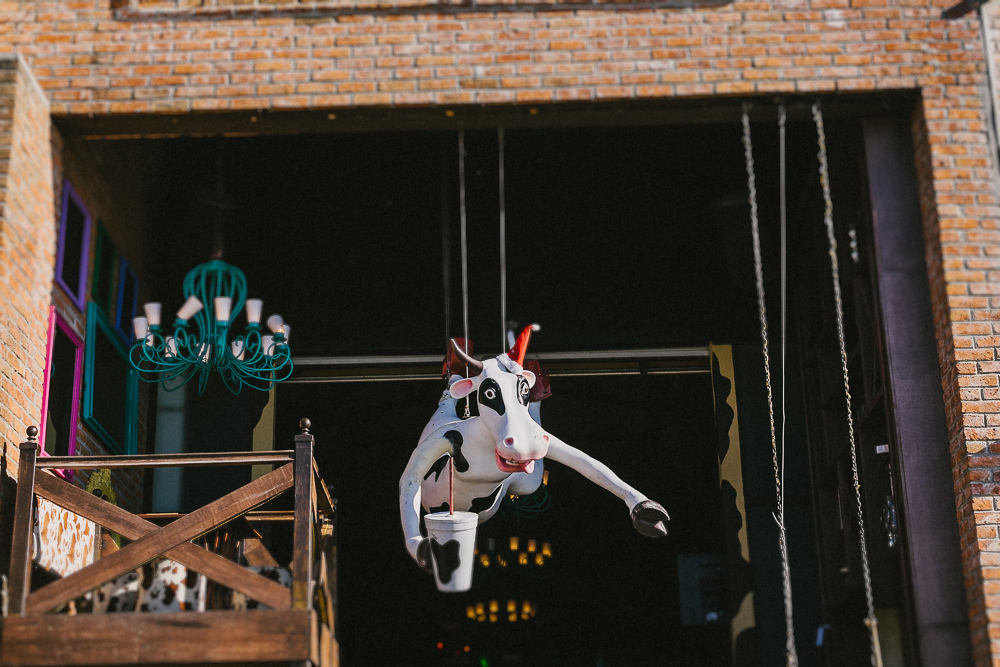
x=77, y=293
x=56, y=321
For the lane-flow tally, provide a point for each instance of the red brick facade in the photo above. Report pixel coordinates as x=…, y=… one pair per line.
x=27, y=249
x=94, y=58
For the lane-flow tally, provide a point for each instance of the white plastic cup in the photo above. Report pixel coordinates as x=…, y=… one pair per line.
x=453, y=543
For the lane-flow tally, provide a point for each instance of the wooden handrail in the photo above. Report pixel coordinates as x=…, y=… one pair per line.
x=165, y=460
x=256, y=515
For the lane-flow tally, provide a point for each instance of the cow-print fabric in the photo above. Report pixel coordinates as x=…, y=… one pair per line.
x=169, y=586
x=165, y=585
x=117, y=595
x=279, y=574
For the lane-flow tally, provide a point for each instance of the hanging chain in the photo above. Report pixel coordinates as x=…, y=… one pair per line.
x=824, y=177
x=791, y=655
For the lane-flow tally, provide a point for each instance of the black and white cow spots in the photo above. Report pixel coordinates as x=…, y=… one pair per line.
x=485, y=502
x=437, y=468
x=119, y=594
x=282, y=575
x=491, y=396
x=446, y=557
x=523, y=390
x=169, y=586
x=456, y=440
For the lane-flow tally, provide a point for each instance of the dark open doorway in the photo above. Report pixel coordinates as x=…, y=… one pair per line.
x=618, y=237
x=607, y=595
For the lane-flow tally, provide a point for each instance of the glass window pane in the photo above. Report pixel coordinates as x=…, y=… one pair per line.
x=62, y=382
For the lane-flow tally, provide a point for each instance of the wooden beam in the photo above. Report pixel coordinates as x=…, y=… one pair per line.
x=433, y=117
x=303, y=531
x=213, y=566
x=257, y=554
x=248, y=638
x=323, y=494
x=256, y=515
x=20, y=549
x=166, y=460
x=151, y=545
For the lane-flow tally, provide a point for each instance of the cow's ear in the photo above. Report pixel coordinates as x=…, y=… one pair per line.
x=462, y=388
x=530, y=377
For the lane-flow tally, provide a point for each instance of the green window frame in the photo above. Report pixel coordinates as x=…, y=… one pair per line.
x=110, y=385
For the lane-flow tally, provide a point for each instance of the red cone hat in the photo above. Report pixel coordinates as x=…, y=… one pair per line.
x=517, y=352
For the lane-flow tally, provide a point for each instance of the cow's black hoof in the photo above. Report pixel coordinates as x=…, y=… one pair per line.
x=424, y=556
x=650, y=519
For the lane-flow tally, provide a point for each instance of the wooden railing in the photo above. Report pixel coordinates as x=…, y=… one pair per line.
x=310, y=594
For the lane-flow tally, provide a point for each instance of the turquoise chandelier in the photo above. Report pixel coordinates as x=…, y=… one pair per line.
x=215, y=294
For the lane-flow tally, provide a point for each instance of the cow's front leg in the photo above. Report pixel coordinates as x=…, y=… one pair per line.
x=648, y=516
x=426, y=453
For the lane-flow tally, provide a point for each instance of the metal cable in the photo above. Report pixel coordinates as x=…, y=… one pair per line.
x=503, y=243
x=824, y=177
x=783, y=221
x=464, y=239
x=792, y=658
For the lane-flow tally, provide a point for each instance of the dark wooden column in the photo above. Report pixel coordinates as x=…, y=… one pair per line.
x=20, y=549
x=917, y=403
x=302, y=555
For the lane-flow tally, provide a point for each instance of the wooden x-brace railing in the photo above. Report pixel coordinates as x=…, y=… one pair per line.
x=174, y=540
x=297, y=628
x=131, y=527
x=151, y=542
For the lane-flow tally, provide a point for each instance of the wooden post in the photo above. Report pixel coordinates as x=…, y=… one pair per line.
x=303, y=539
x=24, y=506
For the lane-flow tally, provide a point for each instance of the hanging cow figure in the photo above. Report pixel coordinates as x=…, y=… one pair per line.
x=498, y=453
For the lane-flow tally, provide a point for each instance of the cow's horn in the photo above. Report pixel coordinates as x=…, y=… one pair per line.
x=521, y=344
x=471, y=361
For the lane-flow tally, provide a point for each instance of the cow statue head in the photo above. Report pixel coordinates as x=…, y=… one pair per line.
x=504, y=387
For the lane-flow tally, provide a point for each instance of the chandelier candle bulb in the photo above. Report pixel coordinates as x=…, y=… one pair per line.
x=223, y=306
x=286, y=331
x=238, y=347
x=170, y=348
x=153, y=313
x=205, y=352
x=254, y=308
x=267, y=343
x=274, y=322
x=190, y=307
x=141, y=327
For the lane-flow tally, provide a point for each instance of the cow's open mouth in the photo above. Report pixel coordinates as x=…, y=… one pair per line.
x=513, y=465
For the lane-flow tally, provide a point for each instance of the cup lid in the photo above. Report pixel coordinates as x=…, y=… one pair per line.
x=458, y=519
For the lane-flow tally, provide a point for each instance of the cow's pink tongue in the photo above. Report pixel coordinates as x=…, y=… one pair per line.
x=528, y=466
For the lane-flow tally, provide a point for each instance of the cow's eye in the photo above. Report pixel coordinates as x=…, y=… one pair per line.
x=524, y=389
x=490, y=394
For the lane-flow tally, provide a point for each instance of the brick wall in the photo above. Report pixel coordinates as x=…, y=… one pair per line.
x=92, y=61
x=27, y=249
x=105, y=177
